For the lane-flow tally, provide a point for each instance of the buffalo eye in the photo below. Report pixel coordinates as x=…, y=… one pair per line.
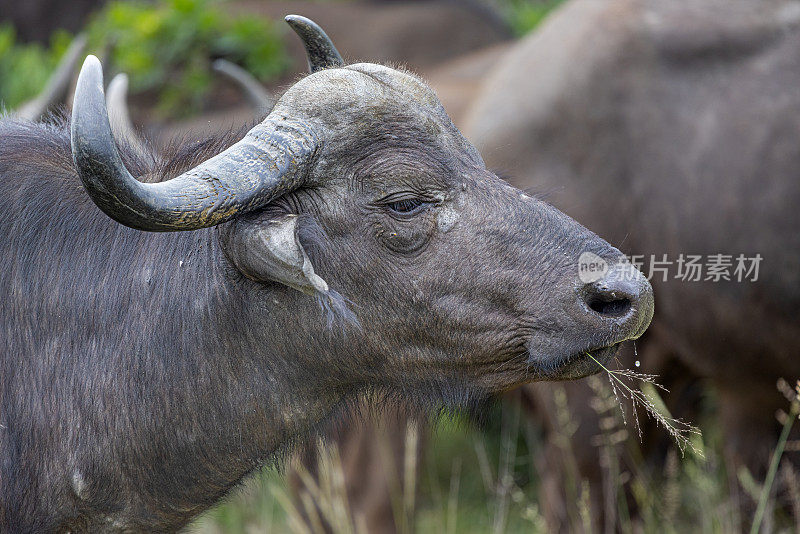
x=406, y=206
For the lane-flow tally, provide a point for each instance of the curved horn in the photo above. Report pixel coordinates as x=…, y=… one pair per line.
x=258, y=97
x=57, y=85
x=268, y=162
x=118, y=114
x=319, y=47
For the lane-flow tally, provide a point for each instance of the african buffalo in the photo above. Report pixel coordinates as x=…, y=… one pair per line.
x=165, y=336
x=674, y=127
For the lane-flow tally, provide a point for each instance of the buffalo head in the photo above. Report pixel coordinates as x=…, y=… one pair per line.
x=456, y=281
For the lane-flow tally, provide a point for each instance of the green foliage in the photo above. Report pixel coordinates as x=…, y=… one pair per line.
x=525, y=15
x=167, y=48
x=25, y=68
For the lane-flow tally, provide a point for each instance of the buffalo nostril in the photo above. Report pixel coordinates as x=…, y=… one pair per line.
x=617, y=293
x=621, y=297
x=608, y=305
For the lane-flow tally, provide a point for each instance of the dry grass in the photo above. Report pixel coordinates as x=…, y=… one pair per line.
x=477, y=481
x=646, y=398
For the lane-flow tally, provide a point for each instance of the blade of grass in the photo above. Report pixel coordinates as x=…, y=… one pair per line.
x=773, y=466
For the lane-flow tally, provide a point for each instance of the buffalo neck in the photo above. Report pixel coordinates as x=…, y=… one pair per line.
x=182, y=376
x=234, y=385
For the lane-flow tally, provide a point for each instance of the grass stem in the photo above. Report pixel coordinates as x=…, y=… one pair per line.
x=773, y=467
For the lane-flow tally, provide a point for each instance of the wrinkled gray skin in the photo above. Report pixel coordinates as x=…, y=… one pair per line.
x=144, y=374
x=673, y=127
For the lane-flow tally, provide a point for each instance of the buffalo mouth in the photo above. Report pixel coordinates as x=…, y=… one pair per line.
x=585, y=363
x=523, y=369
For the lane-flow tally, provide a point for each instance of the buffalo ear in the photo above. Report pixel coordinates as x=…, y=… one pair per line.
x=271, y=251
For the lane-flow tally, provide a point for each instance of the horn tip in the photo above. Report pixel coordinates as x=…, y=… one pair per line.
x=300, y=23
x=319, y=47
x=92, y=70
x=117, y=88
x=88, y=105
x=90, y=77
x=294, y=19
x=221, y=65
x=92, y=62
x=121, y=79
